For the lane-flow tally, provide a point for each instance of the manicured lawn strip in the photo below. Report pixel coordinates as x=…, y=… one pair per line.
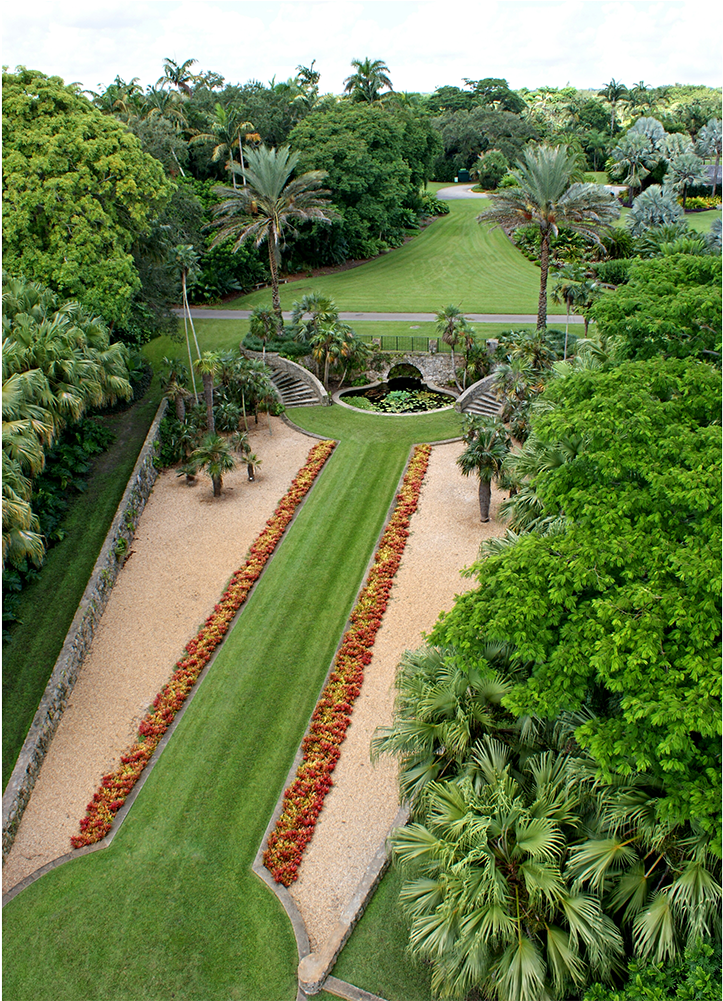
x=213, y=335
x=304, y=799
x=49, y=604
x=172, y=907
x=376, y=429
x=116, y=786
x=454, y=260
x=376, y=957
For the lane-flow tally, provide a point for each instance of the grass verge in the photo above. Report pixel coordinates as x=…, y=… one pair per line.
x=172, y=908
x=48, y=605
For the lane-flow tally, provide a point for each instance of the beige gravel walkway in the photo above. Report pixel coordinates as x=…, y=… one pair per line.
x=187, y=546
x=359, y=810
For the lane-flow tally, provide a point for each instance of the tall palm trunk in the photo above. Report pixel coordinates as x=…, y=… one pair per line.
x=544, y=268
x=208, y=393
x=241, y=158
x=275, y=297
x=217, y=484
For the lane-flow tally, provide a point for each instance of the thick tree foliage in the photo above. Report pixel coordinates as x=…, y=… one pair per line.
x=376, y=159
x=670, y=305
x=78, y=192
x=618, y=610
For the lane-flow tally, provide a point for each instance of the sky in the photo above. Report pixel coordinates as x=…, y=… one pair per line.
x=425, y=43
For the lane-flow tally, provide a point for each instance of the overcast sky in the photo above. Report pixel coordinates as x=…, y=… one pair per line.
x=425, y=44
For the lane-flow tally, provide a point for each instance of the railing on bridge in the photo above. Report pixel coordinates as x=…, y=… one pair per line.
x=405, y=343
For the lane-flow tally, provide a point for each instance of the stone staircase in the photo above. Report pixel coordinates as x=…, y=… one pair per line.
x=294, y=384
x=293, y=392
x=479, y=400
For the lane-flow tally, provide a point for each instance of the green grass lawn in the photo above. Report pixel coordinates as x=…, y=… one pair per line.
x=172, y=909
x=454, y=260
x=48, y=605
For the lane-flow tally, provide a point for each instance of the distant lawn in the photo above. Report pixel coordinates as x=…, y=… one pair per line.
x=47, y=606
x=172, y=908
x=454, y=260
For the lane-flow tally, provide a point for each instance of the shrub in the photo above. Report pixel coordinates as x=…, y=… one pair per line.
x=613, y=272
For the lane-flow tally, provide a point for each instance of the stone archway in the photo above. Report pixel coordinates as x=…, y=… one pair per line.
x=434, y=368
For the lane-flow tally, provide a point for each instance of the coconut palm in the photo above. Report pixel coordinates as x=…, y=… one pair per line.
x=488, y=444
x=490, y=902
x=613, y=92
x=178, y=75
x=369, y=78
x=214, y=455
x=267, y=208
x=548, y=196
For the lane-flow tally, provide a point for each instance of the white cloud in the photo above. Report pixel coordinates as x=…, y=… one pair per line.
x=425, y=44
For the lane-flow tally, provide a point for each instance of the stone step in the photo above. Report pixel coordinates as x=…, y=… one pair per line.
x=484, y=404
x=293, y=392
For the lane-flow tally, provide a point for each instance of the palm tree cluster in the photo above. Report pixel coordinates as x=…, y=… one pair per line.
x=58, y=363
x=527, y=876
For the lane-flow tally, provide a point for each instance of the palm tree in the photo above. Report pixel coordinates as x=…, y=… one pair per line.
x=213, y=455
x=654, y=207
x=267, y=208
x=685, y=171
x=186, y=259
x=367, y=81
x=488, y=444
x=708, y=143
x=263, y=324
x=613, y=92
x=548, y=197
x=173, y=383
x=331, y=342
x=633, y=158
x=310, y=313
x=179, y=76
x=451, y=326
x=227, y=125
x=490, y=902
x=208, y=366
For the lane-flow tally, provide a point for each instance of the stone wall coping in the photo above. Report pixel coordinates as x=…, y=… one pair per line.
x=275, y=361
x=473, y=391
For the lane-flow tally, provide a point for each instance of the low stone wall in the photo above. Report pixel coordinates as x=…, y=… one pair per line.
x=436, y=368
x=472, y=392
x=80, y=635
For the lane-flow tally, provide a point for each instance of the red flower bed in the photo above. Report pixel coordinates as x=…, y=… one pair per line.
x=304, y=798
x=115, y=787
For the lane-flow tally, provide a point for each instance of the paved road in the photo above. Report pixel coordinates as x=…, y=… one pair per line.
x=459, y=191
x=244, y=314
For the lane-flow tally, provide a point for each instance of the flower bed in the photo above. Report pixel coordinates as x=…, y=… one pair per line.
x=304, y=798
x=114, y=788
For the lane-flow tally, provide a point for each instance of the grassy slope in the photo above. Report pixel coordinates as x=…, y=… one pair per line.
x=48, y=605
x=454, y=260
x=172, y=908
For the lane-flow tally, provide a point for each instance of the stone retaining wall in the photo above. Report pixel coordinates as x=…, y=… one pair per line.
x=436, y=368
x=289, y=367
x=80, y=635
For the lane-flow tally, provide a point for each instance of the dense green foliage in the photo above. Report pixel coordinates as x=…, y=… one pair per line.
x=670, y=305
x=694, y=977
x=619, y=612
x=78, y=192
x=376, y=159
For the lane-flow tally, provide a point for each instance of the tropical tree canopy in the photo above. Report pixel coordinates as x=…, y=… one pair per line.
x=549, y=196
x=78, y=192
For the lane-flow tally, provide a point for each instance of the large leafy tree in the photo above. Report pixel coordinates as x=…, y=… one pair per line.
x=619, y=611
x=269, y=206
x=78, y=192
x=548, y=195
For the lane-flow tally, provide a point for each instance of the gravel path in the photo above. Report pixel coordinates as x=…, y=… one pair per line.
x=360, y=808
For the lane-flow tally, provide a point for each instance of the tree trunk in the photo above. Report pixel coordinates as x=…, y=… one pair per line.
x=275, y=298
x=180, y=407
x=544, y=267
x=217, y=484
x=454, y=369
x=186, y=318
x=241, y=158
x=485, y=497
x=208, y=393
x=250, y=471
x=326, y=371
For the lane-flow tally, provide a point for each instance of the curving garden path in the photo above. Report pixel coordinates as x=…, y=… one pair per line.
x=172, y=905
